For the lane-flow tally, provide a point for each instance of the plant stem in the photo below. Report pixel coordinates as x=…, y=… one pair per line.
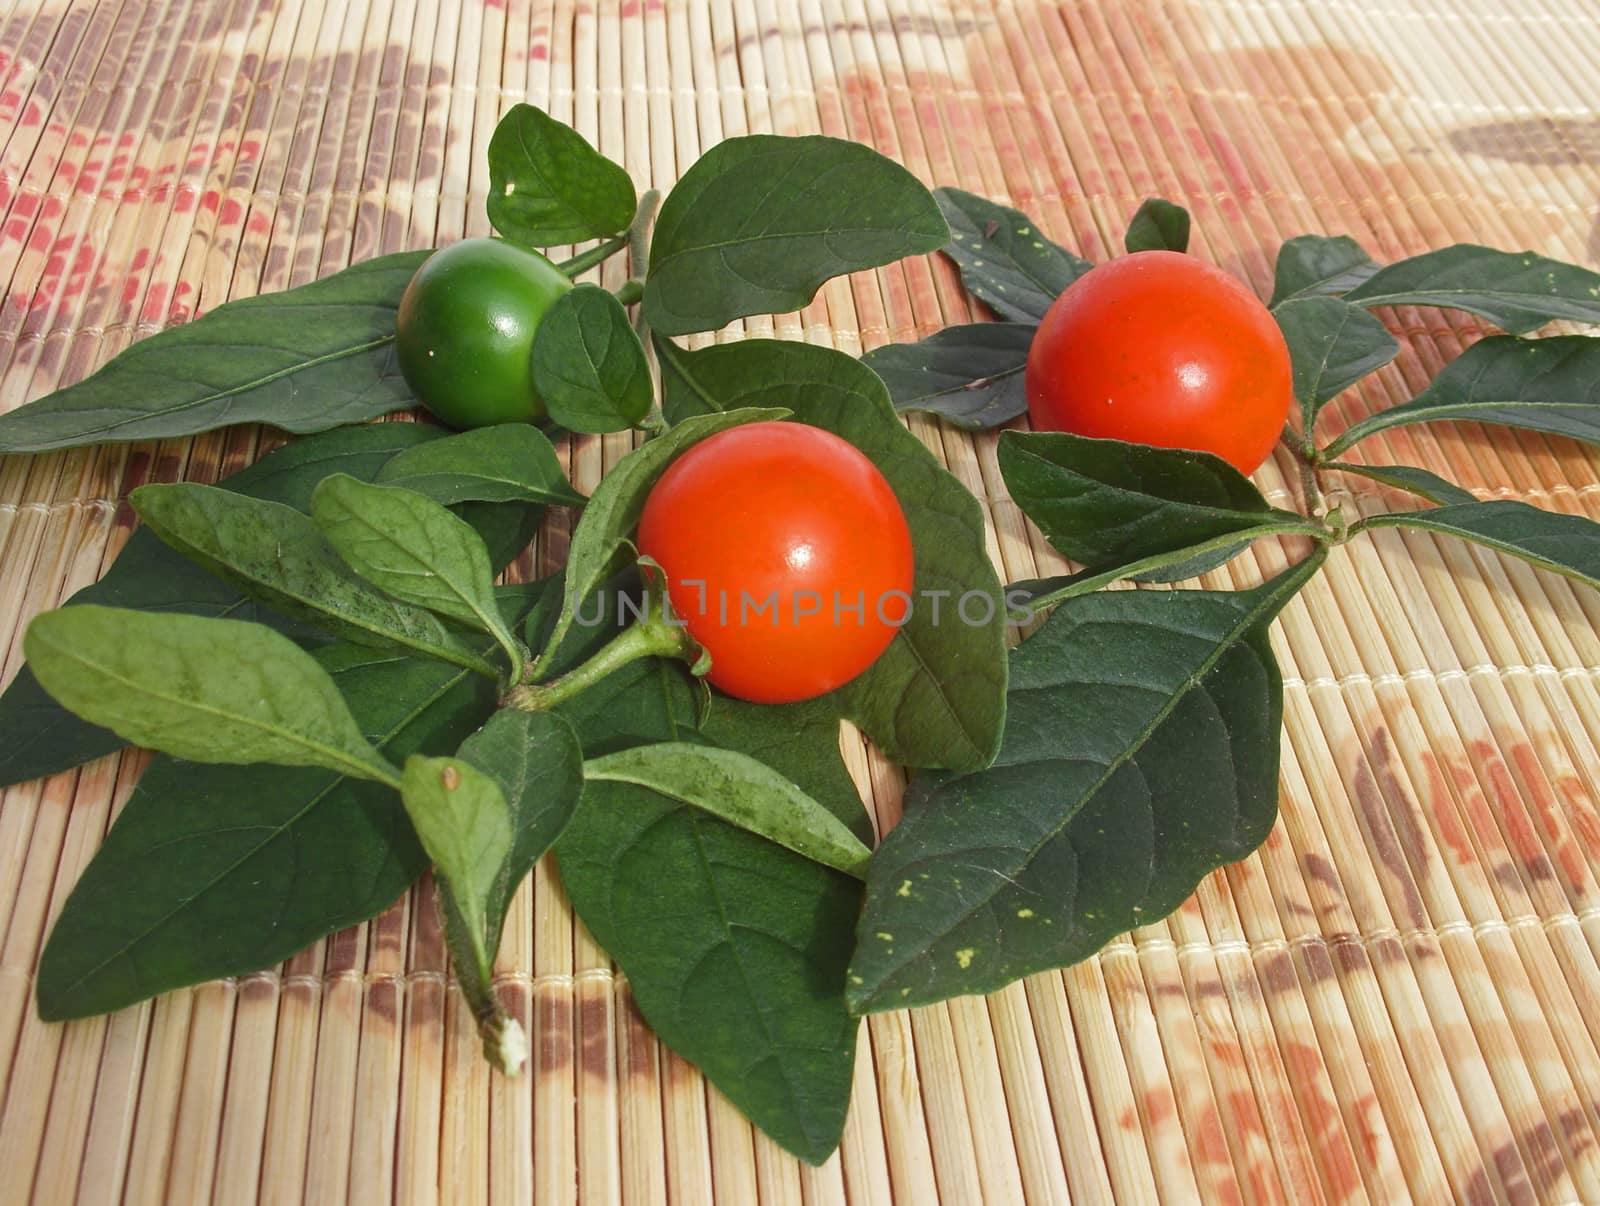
x=656, y=635
x=629, y=291
x=597, y=254
x=638, y=235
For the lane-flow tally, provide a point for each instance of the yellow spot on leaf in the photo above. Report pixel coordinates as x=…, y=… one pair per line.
x=905, y=889
x=1024, y=913
x=964, y=957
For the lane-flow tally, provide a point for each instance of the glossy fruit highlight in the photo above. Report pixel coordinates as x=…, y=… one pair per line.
x=464, y=331
x=1161, y=348
x=787, y=556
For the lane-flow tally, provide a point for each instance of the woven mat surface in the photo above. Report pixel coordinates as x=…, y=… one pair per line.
x=1396, y=999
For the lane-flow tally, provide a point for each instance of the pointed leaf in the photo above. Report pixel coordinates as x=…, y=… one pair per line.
x=1004, y=261
x=278, y=555
x=257, y=861
x=506, y=462
x=1107, y=504
x=199, y=689
x=1332, y=345
x=40, y=737
x=601, y=541
x=305, y=359
x=1406, y=477
x=935, y=697
x=1517, y=291
x=1550, y=385
x=1563, y=544
x=548, y=186
x=1316, y=266
x=1141, y=752
x=412, y=548
x=970, y=375
x=734, y=949
x=736, y=788
x=1159, y=225
x=758, y=223
x=588, y=363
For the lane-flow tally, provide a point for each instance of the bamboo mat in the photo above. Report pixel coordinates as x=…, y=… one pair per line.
x=1397, y=998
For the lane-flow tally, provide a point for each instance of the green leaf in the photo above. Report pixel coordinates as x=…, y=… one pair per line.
x=758, y=223
x=1317, y=266
x=1517, y=291
x=548, y=186
x=734, y=949
x=970, y=375
x=40, y=737
x=737, y=788
x=1004, y=261
x=601, y=542
x=199, y=689
x=588, y=363
x=1405, y=477
x=1564, y=544
x=412, y=548
x=1141, y=752
x=1332, y=345
x=533, y=757
x=278, y=555
x=1550, y=385
x=305, y=359
x=935, y=697
x=507, y=462
x=1159, y=225
x=256, y=862
x=484, y=818
x=800, y=741
x=1110, y=505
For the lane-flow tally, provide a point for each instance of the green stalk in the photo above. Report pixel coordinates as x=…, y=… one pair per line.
x=655, y=635
x=598, y=254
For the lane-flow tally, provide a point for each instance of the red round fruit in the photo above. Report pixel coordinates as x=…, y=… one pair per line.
x=1160, y=348
x=786, y=554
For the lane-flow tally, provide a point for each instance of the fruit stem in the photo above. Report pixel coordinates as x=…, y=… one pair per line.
x=657, y=634
x=629, y=291
x=597, y=254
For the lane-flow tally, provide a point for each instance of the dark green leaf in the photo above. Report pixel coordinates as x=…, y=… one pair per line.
x=758, y=223
x=734, y=949
x=799, y=740
x=535, y=760
x=971, y=375
x=740, y=790
x=1159, y=225
x=588, y=364
x=273, y=552
x=1404, y=477
x=1004, y=261
x=1316, y=266
x=547, y=185
x=1332, y=345
x=484, y=818
x=935, y=697
x=1108, y=505
x=601, y=542
x=306, y=359
x=410, y=547
x=1141, y=752
x=40, y=737
x=200, y=689
x=1563, y=544
x=1516, y=291
x=255, y=862
x=508, y=462
x=1550, y=385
